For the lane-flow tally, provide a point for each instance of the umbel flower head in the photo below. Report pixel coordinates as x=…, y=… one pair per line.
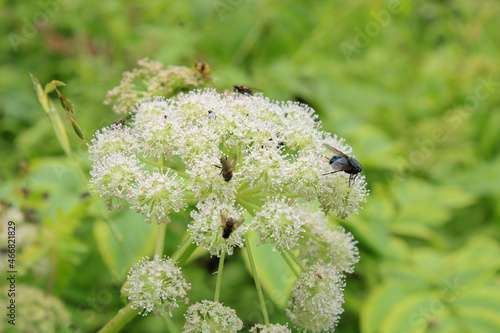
x=230, y=155
x=156, y=80
x=327, y=244
x=209, y=316
x=317, y=299
x=39, y=312
x=155, y=286
x=272, y=328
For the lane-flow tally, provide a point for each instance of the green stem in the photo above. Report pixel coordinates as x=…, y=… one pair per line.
x=249, y=192
x=296, y=260
x=250, y=207
x=161, y=165
x=219, y=276
x=184, y=246
x=246, y=205
x=316, y=239
x=291, y=195
x=145, y=160
x=243, y=187
x=181, y=174
x=78, y=169
x=256, y=279
x=160, y=239
x=122, y=318
x=290, y=264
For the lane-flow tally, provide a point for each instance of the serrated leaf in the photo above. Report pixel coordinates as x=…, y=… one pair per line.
x=275, y=276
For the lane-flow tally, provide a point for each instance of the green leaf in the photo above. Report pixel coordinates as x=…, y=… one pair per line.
x=482, y=178
x=42, y=97
x=483, y=298
x=275, y=276
x=420, y=192
x=379, y=303
x=412, y=314
x=123, y=240
x=481, y=320
x=422, y=214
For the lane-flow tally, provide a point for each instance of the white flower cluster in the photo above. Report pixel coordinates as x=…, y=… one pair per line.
x=272, y=328
x=47, y=313
x=280, y=223
x=209, y=316
x=229, y=154
x=327, y=244
x=154, y=286
x=317, y=299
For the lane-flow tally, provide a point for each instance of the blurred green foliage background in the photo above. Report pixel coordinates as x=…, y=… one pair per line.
x=413, y=86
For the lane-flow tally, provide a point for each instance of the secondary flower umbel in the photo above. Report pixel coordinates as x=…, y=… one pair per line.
x=166, y=160
x=155, y=286
x=317, y=299
x=209, y=316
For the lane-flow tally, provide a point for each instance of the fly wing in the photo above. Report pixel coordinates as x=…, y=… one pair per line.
x=335, y=150
x=225, y=163
x=341, y=164
x=239, y=222
x=255, y=88
x=223, y=219
x=234, y=158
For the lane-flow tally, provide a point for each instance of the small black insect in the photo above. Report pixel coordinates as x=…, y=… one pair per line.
x=211, y=114
x=227, y=167
x=342, y=162
x=229, y=225
x=245, y=90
